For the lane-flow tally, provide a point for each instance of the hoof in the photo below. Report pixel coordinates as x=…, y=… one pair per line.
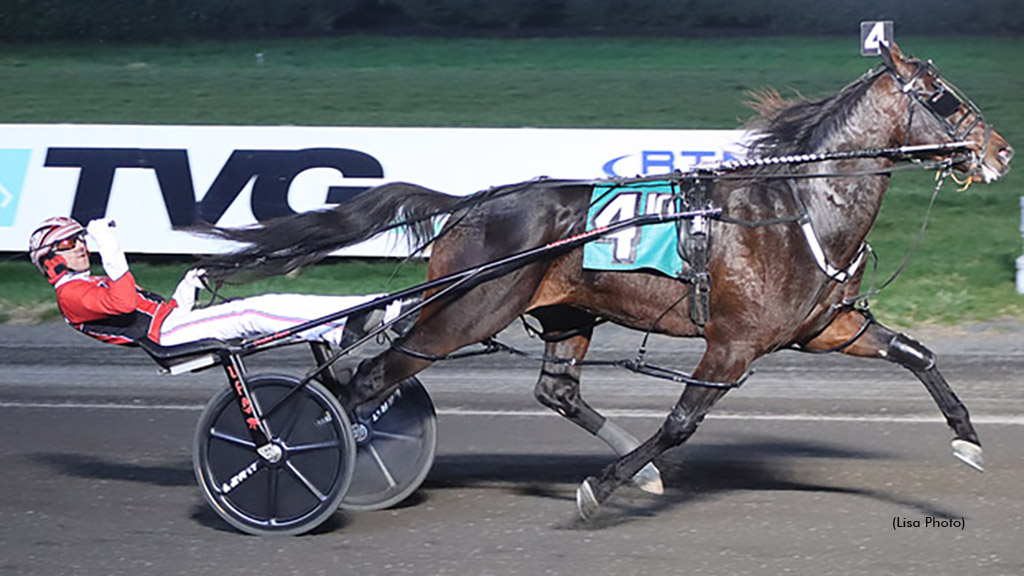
x=969, y=453
x=586, y=502
x=648, y=479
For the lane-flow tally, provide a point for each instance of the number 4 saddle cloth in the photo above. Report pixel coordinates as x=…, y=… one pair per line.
x=662, y=247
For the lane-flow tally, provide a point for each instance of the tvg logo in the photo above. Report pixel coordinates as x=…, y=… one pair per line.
x=270, y=171
x=661, y=161
x=13, y=167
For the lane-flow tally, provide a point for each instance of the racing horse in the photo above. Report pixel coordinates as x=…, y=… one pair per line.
x=772, y=287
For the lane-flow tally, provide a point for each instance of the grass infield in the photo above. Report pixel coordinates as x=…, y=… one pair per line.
x=963, y=271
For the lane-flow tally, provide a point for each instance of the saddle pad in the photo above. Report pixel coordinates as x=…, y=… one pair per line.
x=652, y=247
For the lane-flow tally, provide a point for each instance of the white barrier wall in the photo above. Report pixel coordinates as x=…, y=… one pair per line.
x=150, y=178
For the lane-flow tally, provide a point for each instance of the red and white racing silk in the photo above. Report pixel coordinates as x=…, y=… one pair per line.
x=114, y=311
x=120, y=312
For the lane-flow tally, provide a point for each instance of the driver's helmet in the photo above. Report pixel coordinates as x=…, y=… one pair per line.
x=47, y=235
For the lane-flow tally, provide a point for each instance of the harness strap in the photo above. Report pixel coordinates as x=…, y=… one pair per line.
x=933, y=104
x=869, y=319
x=636, y=365
x=831, y=271
x=694, y=246
x=839, y=275
x=490, y=347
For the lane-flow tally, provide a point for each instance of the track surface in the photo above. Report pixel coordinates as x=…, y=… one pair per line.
x=801, y=471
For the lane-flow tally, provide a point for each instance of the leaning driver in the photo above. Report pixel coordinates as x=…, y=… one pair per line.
x=114, y=309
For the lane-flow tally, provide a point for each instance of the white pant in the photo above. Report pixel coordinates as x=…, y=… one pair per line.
x=259, y=315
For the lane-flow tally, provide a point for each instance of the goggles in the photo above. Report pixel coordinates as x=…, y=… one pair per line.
x=68, y=243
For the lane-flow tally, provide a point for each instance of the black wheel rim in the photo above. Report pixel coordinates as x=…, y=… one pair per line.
x=298, y=491
x=395, y=449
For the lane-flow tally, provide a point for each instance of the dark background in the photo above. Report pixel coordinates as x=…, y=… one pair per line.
x=163, y=21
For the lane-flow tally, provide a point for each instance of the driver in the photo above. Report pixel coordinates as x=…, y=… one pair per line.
x=112, y=308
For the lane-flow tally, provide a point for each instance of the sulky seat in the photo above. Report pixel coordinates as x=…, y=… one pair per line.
x=186, y=357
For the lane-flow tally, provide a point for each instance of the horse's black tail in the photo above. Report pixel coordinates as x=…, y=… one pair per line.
x=283, y=244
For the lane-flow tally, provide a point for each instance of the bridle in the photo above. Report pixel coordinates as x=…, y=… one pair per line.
x=942, y=104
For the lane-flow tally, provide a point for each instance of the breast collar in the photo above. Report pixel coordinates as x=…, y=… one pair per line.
x=840, y=275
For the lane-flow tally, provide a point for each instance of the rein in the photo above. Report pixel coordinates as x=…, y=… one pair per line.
x=871, y=292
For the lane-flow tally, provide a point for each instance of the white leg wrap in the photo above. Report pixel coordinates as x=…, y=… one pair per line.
x=621, y=442
x=648, y=478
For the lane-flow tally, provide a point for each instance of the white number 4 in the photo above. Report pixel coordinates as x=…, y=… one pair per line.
x=624, y=242
x=873, y=35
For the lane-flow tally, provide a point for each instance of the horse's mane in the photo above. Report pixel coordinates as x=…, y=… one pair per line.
x=801, y=126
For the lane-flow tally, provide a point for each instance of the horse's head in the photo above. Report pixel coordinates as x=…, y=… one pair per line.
x=939, y=112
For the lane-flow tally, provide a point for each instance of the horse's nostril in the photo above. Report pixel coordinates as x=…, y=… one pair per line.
x=1005, y=155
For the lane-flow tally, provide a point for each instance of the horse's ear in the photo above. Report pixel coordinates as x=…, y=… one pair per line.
x=895, y=59
x=888, y=54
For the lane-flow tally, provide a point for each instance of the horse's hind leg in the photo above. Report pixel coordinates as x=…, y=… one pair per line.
x=558, y=388
x=442, y=327
x=719, y=364
x=877, y=341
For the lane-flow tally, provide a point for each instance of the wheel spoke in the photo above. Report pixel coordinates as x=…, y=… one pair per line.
x=302, y=448
x=305, y=482
x=272, y=495
x=383, y=467
x=396, y=436
x=246, y=442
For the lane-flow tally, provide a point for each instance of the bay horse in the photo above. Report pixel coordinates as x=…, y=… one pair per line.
x=770, y=288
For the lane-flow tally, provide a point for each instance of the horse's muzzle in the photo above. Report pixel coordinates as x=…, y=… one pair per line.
x=996, y=162
x=1005, y=155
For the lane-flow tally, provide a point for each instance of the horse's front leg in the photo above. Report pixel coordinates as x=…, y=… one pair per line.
x=877, y=341
x=558, y=388
x=719, y=364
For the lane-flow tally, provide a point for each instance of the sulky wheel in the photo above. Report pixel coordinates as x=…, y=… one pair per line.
x=300, y=484
x=395, y=449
